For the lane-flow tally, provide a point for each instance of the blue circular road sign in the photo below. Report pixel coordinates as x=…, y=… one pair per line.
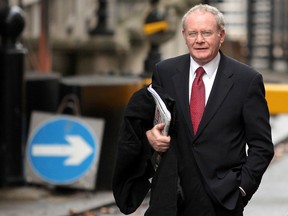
x=61, y=150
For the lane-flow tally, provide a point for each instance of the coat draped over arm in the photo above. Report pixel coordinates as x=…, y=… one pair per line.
x=134, y=168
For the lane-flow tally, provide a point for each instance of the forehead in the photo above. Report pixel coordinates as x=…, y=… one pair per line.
x=200, y=20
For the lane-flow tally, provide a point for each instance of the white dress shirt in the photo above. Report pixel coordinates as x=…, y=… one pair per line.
x=208, y=78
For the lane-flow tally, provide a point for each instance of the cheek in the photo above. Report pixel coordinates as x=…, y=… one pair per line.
x=189, y=43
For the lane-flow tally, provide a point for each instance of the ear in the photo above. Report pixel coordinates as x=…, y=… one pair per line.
x=183, y=33
x=222, y=36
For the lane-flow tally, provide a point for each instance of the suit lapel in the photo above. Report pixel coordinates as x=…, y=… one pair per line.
x=181, y=85
x=220, y=89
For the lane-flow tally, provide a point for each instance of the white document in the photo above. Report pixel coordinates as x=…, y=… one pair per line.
x=162, y=114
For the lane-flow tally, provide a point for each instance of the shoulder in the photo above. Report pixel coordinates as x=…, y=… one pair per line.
x=236, y=67
x=172, y=66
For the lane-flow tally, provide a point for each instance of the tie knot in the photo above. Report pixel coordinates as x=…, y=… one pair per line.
x=199, y=72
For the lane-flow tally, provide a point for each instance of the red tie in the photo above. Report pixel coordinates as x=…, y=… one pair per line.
x=197, y=101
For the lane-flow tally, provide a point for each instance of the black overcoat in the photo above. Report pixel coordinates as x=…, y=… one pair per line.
x=134, y=173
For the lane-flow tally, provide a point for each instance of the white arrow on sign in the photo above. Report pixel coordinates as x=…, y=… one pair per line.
x=77, y=150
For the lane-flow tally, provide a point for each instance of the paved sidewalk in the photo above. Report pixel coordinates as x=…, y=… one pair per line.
x=271, y=199
x=35, y=201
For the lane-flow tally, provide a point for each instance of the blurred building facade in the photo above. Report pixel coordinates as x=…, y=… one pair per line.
x=262, y=25
x=256, y=33
x=76, y=49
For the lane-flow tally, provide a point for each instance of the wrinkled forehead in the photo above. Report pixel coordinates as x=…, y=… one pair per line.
x=200, y=19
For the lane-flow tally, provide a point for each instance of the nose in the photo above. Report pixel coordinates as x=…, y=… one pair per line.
x=199, y=38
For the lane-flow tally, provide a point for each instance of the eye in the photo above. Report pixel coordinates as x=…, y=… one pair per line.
x=206, y=33
x=192, y=34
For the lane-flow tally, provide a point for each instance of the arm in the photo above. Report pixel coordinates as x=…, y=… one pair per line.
x=258, y=137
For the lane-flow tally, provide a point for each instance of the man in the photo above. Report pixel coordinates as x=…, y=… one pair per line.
x=204, y=169
x=235, y=114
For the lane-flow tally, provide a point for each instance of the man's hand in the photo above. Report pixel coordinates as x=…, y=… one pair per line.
x=157, y=140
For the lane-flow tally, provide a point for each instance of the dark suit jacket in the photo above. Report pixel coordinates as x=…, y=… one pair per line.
x=236, y=114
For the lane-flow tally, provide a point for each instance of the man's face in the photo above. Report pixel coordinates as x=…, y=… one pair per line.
x=202, y=36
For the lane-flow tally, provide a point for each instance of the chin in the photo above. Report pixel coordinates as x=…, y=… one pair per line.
x=201, y=59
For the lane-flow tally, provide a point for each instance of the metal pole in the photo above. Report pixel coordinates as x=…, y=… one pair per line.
x=45, y=61
x=11, y=95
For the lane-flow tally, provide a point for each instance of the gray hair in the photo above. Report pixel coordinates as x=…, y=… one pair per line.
x=219, y=17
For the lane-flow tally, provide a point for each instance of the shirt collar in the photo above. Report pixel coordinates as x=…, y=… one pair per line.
x=210, y=68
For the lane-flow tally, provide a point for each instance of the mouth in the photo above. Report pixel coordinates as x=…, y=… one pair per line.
x=200, y=49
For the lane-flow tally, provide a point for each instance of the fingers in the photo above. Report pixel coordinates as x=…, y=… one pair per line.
x=159, y=142
x=159, y=127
